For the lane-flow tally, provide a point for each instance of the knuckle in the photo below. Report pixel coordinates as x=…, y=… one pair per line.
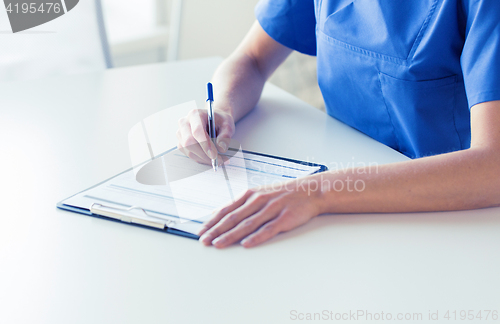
x=197, y=114
x=248, y=223
x=181, y=121
x=274, y=204
x=260, y=198
x=198, y=132
x=189, y=141
x=269, y=228
x=229, y=236
x=212, y=222
x=214, y=232
x=211, y=225
x=248, y=193
x=285, y=214
x=193, y=112
x=228, y=126
x=232, y=218
x=225, y=210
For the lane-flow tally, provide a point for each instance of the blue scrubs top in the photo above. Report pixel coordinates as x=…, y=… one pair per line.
x=403, y=72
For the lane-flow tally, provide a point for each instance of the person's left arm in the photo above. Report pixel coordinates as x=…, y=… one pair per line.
x=467, y=179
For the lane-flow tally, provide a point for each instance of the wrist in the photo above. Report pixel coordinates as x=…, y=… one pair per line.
x=224, y=108
x=318, y=193
x=335, y=192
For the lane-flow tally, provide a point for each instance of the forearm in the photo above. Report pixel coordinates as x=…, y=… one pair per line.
x=455, y=181
x=238, y=84
x=239, y=80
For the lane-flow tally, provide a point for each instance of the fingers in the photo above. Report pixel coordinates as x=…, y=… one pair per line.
x=225, y=130
x=249, y=225
x=231, y=220
x=188, y=145
x=286, y=221
x=194, y=141
x=256, y=202
x=265, y=233
x=198, y=122
x=257, y=216
x=192, y=156
x=221, y=213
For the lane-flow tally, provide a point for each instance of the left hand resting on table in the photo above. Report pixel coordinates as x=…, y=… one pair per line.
x=261, y=213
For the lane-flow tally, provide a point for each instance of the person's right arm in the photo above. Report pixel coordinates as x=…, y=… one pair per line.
x=238, y=84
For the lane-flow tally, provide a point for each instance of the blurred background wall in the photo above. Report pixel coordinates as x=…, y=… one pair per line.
x=150, y=31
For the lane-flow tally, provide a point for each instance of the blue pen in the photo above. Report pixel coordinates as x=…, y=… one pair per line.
x=211, y=120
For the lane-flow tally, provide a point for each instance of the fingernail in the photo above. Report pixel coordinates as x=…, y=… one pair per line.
x=218, y=241
x=206, y=239
x=245, y=242
x=223, y=146
x=211, y=154
x=202, y=230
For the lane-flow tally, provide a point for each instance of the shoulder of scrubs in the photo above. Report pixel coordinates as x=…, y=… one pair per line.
x=291, y=23
x=481, y=53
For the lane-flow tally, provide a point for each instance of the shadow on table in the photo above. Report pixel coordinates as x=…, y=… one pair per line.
x=439, y=220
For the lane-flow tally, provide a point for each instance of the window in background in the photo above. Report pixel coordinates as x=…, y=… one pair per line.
x=137, y=30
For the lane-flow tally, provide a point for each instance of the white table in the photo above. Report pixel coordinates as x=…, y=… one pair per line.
x=62, y=135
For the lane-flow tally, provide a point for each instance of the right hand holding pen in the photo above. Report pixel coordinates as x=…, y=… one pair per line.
x=193, y=139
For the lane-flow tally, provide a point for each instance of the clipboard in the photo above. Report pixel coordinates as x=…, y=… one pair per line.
x=128, y=214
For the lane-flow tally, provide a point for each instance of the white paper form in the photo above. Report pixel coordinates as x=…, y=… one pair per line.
x=192, y=191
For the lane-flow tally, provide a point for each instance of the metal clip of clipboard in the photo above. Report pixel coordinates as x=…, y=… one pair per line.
x=117, y=213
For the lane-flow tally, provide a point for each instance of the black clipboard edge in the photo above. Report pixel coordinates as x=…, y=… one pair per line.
x=322, y=167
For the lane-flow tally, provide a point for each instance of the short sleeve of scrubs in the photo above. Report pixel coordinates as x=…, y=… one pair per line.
x=481, y=53
x=291, y=23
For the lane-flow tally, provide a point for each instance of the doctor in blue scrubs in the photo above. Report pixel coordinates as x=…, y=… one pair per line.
x=422, y=77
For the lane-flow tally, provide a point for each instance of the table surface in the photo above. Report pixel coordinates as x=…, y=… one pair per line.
x=63, y=135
